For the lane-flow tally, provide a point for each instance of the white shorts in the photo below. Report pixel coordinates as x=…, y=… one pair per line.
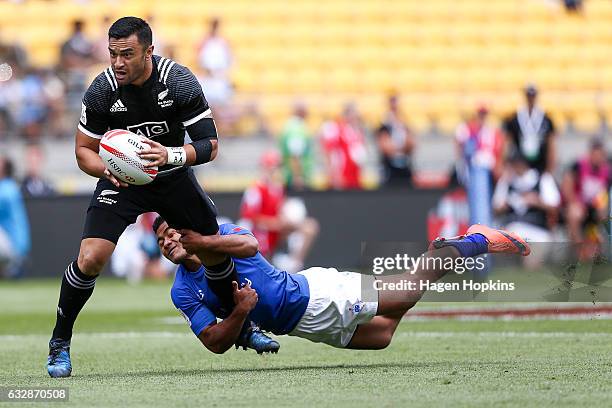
x=336, y=307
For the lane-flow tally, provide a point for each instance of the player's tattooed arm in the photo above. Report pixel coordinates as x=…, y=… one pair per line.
x=219, y=338
x=235, y=245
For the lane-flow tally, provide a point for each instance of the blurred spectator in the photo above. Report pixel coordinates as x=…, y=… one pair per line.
x=77, y=50
x=100, y=45
x=57, y=124
x=450, y=217
x=585, y=189
x=169, y=51
x=159, y=45
x=76, y=56
x=296, y=145
x=13, y=54
x=6, y=119
x=344, y=149
x=137, y=254
x=14, y=225
x=34, y=185
x=31, y=108
x=527, y=201
x=532, y=133
x=273, y=218
x=396, y=144
x=33, y=103
x=479, y=146
x=215, y=58
x=573, y=6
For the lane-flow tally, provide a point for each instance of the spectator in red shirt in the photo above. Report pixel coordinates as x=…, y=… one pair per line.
x=344, y=149
x=479, y=147
x=272, y=218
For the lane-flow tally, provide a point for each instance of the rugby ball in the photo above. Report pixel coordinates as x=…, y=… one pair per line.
x=118, y=150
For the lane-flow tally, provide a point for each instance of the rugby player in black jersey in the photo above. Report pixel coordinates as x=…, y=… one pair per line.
x=162, y=100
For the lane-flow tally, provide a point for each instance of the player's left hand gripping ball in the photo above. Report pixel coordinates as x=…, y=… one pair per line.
x=119, y=151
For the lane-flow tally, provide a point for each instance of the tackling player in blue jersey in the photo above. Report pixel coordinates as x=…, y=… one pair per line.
x=320, y=304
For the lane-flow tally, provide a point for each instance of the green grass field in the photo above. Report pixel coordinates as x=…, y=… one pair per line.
x=131, y=349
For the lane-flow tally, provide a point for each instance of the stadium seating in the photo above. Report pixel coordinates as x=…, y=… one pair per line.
x=442, y=55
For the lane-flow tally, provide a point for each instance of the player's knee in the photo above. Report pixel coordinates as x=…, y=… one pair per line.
x=391, y=327
x=91, y=262
x=217, y=350
x=389, y=333
x=386, y=343
x=385, y=339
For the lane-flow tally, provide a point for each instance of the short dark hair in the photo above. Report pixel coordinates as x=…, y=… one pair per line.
x=158, y=221
x=126, y=26
x=77, y=25
x=531, y=90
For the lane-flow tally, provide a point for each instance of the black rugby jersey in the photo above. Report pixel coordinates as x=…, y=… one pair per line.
x=161, y=109
x=545, y=132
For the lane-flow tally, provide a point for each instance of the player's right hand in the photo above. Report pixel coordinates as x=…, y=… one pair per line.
x=246, y=297
x=114, y=180
x=191, y=240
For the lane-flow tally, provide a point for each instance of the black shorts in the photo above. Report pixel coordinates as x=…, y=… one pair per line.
x=178, y=198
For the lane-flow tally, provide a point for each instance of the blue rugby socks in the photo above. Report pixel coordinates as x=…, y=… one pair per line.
x=469, y=245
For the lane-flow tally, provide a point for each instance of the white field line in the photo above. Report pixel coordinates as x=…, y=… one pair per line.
x=426, y=334
x=509, y=316
x=486, y=306
x=170, y=320
x=577, y=335
x=108, y=335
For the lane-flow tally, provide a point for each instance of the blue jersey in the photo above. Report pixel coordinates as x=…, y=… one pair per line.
x=13, y=217
x=282, y=300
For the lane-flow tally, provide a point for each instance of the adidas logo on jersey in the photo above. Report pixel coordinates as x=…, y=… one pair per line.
x=118, y=107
